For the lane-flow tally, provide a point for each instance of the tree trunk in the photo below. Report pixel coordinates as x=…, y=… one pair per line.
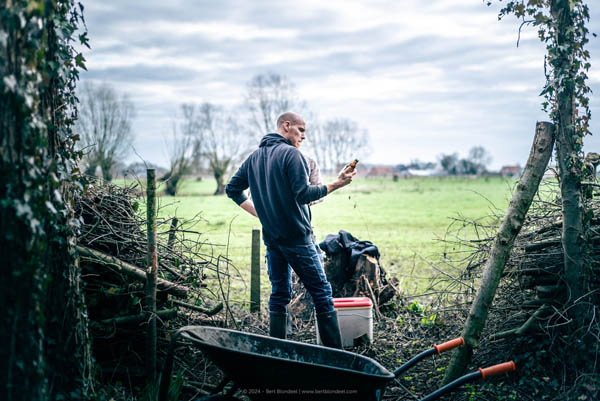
x=509, y=229
x=172, y=183
x=107, y=166
x=219, y=175
x=90, y=170
x=569, y=167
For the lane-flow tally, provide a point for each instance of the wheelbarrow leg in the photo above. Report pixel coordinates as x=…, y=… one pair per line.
x=232, y=390
x=221, y=385
x=165, y=379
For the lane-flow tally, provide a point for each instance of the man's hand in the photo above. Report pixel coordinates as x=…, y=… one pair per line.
x=343, y=179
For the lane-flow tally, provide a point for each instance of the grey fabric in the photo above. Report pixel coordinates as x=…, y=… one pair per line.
x=314, y=176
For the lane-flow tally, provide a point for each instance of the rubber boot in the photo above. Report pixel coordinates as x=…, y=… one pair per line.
x=290, y=324
x=278, y=324
x=329, y=329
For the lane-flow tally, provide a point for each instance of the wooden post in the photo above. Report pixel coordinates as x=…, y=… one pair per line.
x=151, y=276
x=172, y=232
x=255, y=272
x=540, y=153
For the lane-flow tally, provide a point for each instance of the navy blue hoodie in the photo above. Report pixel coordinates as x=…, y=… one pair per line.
x=277, y=175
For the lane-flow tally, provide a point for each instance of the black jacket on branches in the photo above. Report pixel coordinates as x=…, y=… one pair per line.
x=349, y=248
x=277, y=175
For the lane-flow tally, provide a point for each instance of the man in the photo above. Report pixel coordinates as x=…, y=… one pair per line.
x=314, y=178
x=277, y=175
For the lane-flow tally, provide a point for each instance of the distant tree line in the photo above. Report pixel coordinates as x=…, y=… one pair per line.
x=416, y=165
x=474, y=164
x=211, y=137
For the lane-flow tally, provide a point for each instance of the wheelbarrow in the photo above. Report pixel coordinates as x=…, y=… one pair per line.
x=267, y=368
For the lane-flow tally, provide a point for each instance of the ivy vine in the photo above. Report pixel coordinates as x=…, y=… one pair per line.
x=39, y=69
x=567, y=61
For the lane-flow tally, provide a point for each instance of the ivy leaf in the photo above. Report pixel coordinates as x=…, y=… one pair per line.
x=11, y=82
x=35, y=225
x=23, y=209
x=520, y=10
x=84, y=40
x=540, y=18
x=51, y=207
x=79, y=61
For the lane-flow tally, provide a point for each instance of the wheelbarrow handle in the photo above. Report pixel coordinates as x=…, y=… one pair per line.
x=471, y=377
x=448, y=345
x=497, y=369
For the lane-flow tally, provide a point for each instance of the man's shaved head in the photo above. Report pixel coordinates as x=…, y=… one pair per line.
x=289, y=116
x=292, y=127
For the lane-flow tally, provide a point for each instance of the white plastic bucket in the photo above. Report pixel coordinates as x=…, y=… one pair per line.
x=355, y=318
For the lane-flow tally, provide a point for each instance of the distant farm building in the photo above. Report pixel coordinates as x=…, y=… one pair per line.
x=422, y=173
x=381, y=171
x=510, y=171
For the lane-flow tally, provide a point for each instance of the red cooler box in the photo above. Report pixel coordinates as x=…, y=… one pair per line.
x=355, y=317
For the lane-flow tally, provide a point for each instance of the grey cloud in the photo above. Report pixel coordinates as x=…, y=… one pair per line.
x=111, y=14
x=140, y=73
x=484, y=111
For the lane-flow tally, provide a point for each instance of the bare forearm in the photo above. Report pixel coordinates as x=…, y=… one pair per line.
x=343, y=179
x=248, y=206
x=333, y=186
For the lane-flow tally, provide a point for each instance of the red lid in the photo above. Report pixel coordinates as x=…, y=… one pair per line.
x=353, y=302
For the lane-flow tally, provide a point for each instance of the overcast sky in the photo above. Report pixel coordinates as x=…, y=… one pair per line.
x=423, y=77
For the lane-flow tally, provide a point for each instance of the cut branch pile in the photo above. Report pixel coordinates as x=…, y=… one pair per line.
x=112, y=249
x=533, y=301
x=533, y=294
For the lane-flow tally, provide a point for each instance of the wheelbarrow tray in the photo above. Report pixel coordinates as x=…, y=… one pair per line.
x=269, y=368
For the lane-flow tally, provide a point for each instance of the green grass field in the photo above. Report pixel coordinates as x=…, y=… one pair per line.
x=405, y=219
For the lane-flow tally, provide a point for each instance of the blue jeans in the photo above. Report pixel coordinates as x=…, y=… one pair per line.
x=307, y=262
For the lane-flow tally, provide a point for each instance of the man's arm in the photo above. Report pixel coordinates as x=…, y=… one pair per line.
x=237, y=185
x=248, y=206
x=235, y=190
x=297, y=171
x=343, y=179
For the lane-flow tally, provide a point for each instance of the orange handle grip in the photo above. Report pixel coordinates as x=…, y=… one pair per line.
x=448, y=345
x=497, y=369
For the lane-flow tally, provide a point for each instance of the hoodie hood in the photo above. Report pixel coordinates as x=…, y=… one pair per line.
x=273, y=139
